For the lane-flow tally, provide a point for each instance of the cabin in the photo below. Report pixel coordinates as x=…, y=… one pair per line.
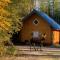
x=41, y=22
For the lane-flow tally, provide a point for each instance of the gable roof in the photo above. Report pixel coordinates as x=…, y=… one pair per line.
x=53, y=24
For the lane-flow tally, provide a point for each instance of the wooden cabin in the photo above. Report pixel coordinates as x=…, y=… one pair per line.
x=41, y=22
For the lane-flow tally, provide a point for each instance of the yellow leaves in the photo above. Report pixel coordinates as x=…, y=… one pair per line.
x=1, y=5
x=4, y=12
x=6, y=1
x=5, y=24
x=2, y=50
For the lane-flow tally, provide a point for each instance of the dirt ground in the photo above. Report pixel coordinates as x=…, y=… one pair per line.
x=31, y=58
x=46, y=54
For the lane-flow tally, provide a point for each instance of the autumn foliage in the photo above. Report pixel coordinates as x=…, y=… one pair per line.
x=7, y=25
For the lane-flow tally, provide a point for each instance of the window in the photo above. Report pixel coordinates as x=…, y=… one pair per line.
x=35, y=21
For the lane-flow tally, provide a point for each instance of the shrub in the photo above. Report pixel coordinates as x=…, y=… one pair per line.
x=2, y=50
x=11, y=50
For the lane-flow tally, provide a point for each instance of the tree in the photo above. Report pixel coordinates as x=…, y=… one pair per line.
x=10, y=23
x=57, y=11
x=44, y=7
x=54, y=10
x=5, y=24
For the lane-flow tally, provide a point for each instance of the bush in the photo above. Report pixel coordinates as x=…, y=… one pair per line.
x=11, y=50
x=2, y=50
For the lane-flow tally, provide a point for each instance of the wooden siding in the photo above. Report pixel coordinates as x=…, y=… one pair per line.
x=42, y=26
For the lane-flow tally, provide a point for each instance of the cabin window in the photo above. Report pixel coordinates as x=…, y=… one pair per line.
x=35, y=21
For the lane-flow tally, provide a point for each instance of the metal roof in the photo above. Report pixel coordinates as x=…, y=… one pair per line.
x=53, y=24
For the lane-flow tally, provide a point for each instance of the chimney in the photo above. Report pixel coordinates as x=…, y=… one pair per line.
x=37, y=5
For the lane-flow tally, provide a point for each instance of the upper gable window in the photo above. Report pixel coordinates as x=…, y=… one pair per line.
x=35, y=21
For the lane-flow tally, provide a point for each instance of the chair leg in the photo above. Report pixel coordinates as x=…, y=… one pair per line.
x=34, y=46
x=30, y=46
x=40, y=47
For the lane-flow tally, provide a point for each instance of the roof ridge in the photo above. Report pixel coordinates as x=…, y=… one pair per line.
x=51, y=21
